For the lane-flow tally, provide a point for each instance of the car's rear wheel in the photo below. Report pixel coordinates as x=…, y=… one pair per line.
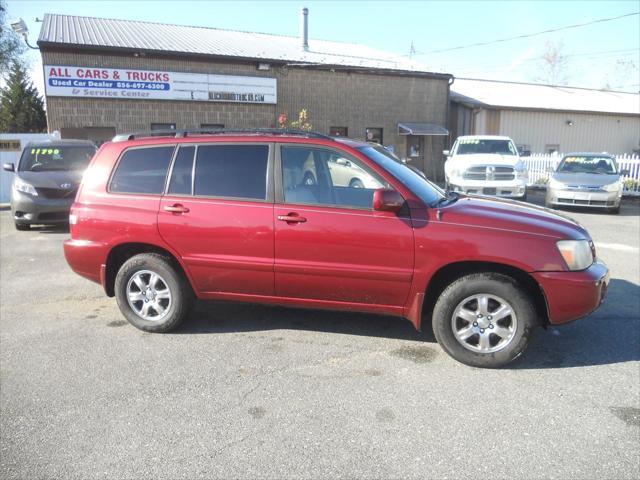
x=152, y=293
x=22, y=226
x=484, y=320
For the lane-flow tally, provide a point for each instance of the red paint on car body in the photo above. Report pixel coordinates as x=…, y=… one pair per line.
x=334, y=258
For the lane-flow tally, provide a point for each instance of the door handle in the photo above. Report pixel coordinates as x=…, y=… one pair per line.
x=291, y=218
x=177, y=208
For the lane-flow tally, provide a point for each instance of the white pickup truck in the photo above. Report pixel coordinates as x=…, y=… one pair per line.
x=486, y=165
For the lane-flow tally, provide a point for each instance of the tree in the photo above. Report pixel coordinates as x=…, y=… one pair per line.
x=21, y=108
x=624, y=72
x=11, y=46
x=554, y=65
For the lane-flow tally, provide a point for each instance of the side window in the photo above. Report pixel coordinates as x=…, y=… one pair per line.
x=142, y=170
x=324, y=177
x=233, y=171
x=180, y=183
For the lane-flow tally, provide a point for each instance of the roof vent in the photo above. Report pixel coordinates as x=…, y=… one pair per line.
x=304, y=28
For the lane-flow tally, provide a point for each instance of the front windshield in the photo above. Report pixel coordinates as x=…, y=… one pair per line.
x=471, y=146
x=587, y=164
x=423, y=188
x=62, y=157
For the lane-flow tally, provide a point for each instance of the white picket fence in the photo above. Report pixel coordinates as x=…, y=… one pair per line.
x=538, y=165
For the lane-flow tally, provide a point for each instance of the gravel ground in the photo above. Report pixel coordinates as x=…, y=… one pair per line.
x=243, y=391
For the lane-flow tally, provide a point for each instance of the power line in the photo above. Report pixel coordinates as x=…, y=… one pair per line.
x=527, y=35
x=599, y=55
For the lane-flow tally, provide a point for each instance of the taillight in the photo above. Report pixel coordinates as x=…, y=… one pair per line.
x=73, y=220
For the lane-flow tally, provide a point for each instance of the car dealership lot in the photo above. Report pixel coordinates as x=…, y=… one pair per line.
x=251, y=391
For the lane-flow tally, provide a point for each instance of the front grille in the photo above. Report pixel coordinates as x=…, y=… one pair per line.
x=56, y=193
x=595, y=203
x=583, y=188
x=489, y=172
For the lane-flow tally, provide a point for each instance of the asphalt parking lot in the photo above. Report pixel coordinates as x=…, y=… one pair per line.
x=244, y=391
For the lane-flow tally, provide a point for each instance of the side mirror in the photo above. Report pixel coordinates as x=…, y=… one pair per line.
x=387, y=200
x=9, y=167
x=343, y=161
x=624, y=172
x=446, y=153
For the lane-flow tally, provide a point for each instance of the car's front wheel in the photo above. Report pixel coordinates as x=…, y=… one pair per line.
x=152, y=293
x=484, y=320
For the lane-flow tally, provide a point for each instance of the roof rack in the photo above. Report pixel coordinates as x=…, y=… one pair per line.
x=123, y=137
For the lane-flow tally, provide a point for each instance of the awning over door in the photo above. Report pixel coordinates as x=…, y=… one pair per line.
x=410, y=128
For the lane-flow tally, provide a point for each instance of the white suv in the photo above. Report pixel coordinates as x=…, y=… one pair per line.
x=486, y=165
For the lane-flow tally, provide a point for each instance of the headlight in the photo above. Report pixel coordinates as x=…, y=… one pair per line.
x=24, y=187
x=521, y=170
x=612, y=187
x=457, y=172
x=556, y=185
x=577, y=254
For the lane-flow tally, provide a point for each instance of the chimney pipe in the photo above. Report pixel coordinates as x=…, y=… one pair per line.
x=304, y=28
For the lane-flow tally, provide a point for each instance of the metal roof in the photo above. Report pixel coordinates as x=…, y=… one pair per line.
x=88, y=32
x=414, y=128
x=489, y=93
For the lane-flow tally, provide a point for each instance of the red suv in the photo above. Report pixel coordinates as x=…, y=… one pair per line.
x=301, y=219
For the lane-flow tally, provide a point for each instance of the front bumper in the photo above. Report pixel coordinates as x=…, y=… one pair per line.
x=572, y=295
x=27, y=209
x=499, y=188
x=583, y=198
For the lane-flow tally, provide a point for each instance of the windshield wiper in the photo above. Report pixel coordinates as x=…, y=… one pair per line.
x=450, y=198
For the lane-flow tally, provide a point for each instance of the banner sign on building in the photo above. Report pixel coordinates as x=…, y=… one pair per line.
x=156, y=85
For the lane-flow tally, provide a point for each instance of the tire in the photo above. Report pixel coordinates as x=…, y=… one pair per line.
x=309, y=179
x=356, y=183
x=516, y=329
x=175, y=308
x=614, y=210
x=522, y=198
x=22, y=226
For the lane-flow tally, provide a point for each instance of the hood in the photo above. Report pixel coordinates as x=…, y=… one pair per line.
x=485, y=159
x=592, y=179
x=512, y=216
x=52, y=179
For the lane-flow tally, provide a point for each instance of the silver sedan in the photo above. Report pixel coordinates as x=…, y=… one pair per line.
x=586, y=180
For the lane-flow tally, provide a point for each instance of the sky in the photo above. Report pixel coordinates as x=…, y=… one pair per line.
x=601, y=55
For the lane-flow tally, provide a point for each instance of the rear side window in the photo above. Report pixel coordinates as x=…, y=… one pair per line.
x=142, y=170
x=180, y=183
x=233, y=171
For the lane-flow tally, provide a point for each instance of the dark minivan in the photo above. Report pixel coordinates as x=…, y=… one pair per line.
x=46, y=181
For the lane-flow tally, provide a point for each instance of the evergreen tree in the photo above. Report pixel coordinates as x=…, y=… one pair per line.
x=11, y=46
x=21, y=108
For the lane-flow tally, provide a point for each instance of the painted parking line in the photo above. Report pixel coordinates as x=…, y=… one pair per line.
x=617, y=246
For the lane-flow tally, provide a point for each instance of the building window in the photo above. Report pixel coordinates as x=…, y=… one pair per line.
x=374, y=135
x=212, y=126
x=338, y=131
x=163, y=126
x=552, y=149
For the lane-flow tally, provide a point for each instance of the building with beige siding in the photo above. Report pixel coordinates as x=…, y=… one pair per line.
x=547, y=119
x=105, y=76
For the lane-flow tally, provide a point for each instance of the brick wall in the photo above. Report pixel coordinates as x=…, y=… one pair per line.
x=333, y=98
